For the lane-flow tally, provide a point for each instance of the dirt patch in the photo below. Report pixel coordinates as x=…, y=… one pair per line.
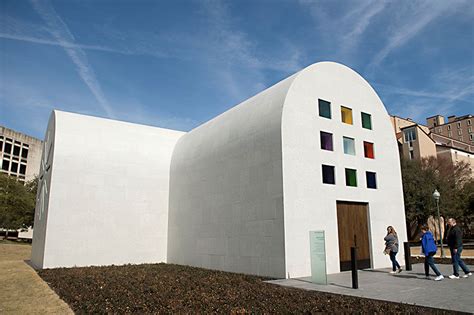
x=166, y=288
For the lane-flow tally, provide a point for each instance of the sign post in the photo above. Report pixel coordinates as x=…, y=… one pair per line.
x=318, y=257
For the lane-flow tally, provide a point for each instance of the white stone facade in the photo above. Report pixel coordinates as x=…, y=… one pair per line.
x=239, y=193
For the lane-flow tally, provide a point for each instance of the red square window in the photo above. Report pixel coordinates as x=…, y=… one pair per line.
x=369, y=150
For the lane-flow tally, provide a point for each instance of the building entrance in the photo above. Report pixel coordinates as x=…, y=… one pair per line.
x=353, y=230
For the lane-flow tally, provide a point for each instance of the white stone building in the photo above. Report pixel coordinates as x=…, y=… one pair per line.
x=239, y=193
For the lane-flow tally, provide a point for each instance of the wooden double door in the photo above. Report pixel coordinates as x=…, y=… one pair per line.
x=353, y=230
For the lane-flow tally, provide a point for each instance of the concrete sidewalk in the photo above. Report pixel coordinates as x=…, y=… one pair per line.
x=22, y=290
x=409, y=287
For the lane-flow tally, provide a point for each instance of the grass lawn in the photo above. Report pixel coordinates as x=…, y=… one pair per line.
x=167, y=288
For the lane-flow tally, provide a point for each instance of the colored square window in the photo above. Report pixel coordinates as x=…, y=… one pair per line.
x=346, y=115
x=324, y=108
x=349, y=146
x=326, y=141
x=351, y=177
x=369, y=150
x=371, y=180
x=328, y=175
x=366, y=121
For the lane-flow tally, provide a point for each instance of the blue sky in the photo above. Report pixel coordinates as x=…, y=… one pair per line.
x=177, y=64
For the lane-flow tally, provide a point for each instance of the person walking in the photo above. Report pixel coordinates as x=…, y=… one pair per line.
x=428, y=248
x=391, y=247
x=455, y=247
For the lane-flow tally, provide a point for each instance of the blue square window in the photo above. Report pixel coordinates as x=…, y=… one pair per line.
x=371, y=180
x=324, y=108
x=328, y=175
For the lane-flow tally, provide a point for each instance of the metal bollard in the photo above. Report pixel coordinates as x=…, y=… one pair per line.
x=406, y=246
x=355, y=277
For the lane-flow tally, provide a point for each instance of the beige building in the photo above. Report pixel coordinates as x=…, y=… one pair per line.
x=20, y=154
x=417, y=141
x=457, y=128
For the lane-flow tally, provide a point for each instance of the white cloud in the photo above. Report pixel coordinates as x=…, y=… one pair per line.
x=60, y=31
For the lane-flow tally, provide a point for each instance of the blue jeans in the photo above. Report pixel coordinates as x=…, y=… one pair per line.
x=429, y=262
x=395, y=264
x=457, y=261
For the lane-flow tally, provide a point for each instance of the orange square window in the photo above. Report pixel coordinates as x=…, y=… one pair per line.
x=369, y=150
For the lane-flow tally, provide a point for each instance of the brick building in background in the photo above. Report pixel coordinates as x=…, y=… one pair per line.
x=20, y=154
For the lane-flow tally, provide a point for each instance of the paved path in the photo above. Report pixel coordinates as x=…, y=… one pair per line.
x=22, y=291
x=407, y=287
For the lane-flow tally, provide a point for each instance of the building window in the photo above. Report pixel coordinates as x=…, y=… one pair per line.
x=328, y=175
x=6, y=165
x=326, y=141
x=24, y=153
x=22, y=169
x=371, y=180
x=366, y=121
x=8, y=148
x=469, y=129
x=369, y=150
x=349, y=145
x=450, y=134
x=440, y=130
x=346, y=115
x=1, y=145
x=471, y=137
x=14, y=168
x=459, y=125
x=411, y=154
x=351, y=177
x=324, y=108
x=459, y=132
x=449, y=127
x=468, y=122
x=410, y=134
x=16, y=150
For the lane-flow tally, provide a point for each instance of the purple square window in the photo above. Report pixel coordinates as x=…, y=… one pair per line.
x=326, y=141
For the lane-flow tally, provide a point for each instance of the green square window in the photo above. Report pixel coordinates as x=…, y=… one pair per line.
x=366, y=121
x=351, y=177
x=324, y=108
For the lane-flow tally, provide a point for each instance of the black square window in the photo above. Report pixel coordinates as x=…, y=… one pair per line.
x=14, y=168
x=324, y=108
x=5, y=165
x=8, y=147
x=22, y=169
x=328, y=175
x=24, y=153
x=1, y=146
x=371, y=180
x=16, y=150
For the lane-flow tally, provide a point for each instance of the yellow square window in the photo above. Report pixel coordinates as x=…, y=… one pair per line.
x=346, y=115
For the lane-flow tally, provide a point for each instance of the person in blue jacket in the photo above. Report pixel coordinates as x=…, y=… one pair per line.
x=428, y=248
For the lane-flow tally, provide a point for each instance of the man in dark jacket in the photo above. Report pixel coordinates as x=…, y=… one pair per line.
x=455, y=246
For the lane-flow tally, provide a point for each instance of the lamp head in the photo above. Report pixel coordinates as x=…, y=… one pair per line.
x=436, y=194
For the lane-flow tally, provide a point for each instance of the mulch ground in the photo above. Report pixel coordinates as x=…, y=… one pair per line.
x=167, y=288
x=438, y=260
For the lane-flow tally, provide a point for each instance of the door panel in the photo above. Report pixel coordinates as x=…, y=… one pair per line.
x=353, y=227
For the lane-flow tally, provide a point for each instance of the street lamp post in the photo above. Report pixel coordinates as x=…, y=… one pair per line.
x=436, y=196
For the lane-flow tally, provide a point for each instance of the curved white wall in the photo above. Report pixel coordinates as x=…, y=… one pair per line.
x=311, y=205
x=108, y=193
x=226, y=207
